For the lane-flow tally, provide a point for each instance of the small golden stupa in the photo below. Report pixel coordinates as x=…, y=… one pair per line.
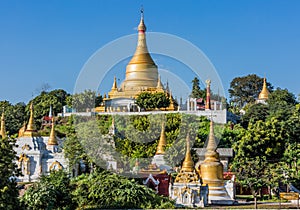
x=212, y=172
x=52, y=139
x=3, y=130
x=264, y=94
x=187, y=173
x=141, y=76
x=186, y=189
x=30, y=129
x=162, y=141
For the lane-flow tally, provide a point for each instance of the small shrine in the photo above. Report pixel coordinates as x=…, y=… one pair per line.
x=186, y=189
x=38, y=155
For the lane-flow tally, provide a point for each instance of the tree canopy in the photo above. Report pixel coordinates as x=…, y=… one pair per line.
x=86, y=100
x=8, y=173
x=146, y=100
x=14, y=116
x=246, y=89
x=196, y=90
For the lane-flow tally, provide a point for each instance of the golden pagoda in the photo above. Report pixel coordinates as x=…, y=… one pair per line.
x=264, y=94
x=52, y=139
x=186, y=189
x=141, y=76
x=187, y=173
x=3, y=130
x=30, y=129
x=162, y=141
x=212, y=172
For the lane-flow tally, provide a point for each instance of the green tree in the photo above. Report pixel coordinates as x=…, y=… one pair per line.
x=8, y=173
x=14, y=116
x=250, y=172
x=196, y=90
x=83, y=101
x=50, y=192
x=231, y=133
x=291, y=159
x=106, y=190
x=246, y=89
x=258, y=151
x=77, y=137
x=146, y=100
x=42, y=103
x=281, y=103
x=254, y=113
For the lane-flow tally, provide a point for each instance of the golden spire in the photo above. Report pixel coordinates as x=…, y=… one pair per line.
x=188, y=163
x=141, y=54
x=211, y=145
x=141, y=26
x=162, y=141
x=141, y=71
x=159, y=85
x=22, y=130
x=264, y=94
x=3, y=130
x=52, y=139
x=211, y=155
x=30, y=129
x=114, y=87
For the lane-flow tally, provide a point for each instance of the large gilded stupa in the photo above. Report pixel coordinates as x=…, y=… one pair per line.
x=141, y=76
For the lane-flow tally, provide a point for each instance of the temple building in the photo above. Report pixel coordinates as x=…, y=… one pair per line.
x=264, y=94
x=141, y=76
x=38, y=155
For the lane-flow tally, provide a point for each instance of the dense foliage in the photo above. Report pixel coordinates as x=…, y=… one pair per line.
x=84, y=101
x=196, y=90
x=14, y=116
x=267, y=146
x=94, y=190
x=106, y=190
x=51, y=192
x=246, y=89
x=148, y=101
x=8, y=171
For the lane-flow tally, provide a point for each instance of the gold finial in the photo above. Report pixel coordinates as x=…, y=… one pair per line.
x=114, y=87
x=162, y=141
x=159, y=85
x=30, y=129
x=3, y=130
x=264, y=94
x=52, y=139
x=188, y=163
x=142, y=27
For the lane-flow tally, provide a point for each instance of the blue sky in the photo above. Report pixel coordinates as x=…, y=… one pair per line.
x=50, y=41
